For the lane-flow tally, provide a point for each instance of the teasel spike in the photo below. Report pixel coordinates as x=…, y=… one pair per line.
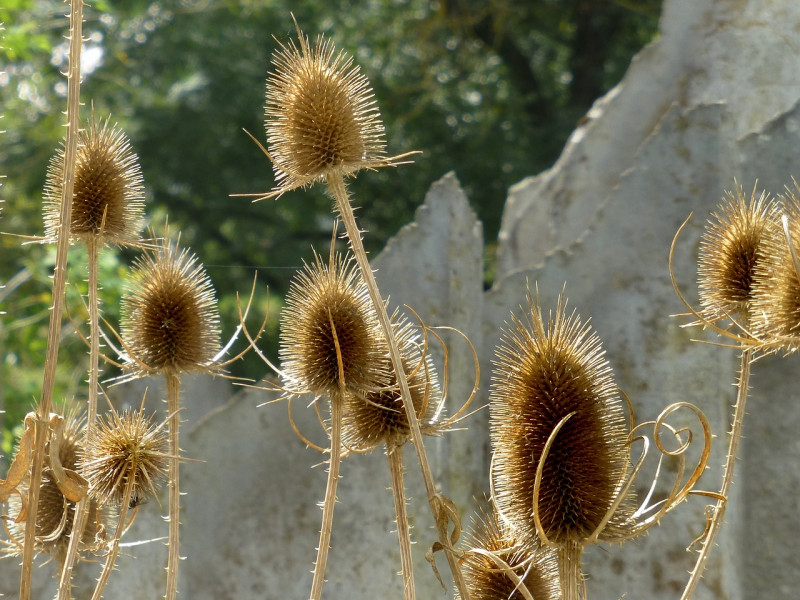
x=170, y=325
x=126, y=459
x=496, y=567
x=559, y=437
x=776, y=304
x=320, y=117
x=322, y=297
x=732, y=245
x=108, y=194
x=55, y=514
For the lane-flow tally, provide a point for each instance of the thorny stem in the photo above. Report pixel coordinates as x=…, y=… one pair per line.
x=569, y=570
x=330, y=497
x=394, y=453
x=82, y=509
x=336, y=186
x=59, y=283
x=727, y=478
x=173, y=406
x=111, y=559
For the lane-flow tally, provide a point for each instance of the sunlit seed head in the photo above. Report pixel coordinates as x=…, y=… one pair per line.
x=730, y=248
x=108, y=194
x=485, y=579
x=125, y=448
x=329, y=304
x=379, y=417
x=320, y=115
x=776, y=306
x=170, y=321
x=543, y=373
x=55, y=514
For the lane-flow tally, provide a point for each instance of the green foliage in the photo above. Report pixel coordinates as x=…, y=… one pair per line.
x=488, y=89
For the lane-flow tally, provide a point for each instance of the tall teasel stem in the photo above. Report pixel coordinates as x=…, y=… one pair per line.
x=59, y=283
x=336, y=186
x=330, y=498
x=173, y=407
x=569, y=570
x=82, y=509
x=727, y=478
x=394, y=453
x=113, y=552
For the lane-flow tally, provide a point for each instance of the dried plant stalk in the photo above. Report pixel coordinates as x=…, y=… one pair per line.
x=59, y=284
x=395, y=455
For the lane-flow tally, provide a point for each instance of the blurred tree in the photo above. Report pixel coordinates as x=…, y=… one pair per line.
x=488, y=89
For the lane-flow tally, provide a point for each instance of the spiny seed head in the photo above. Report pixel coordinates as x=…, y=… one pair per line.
x=776, y=307
x=55, y=514
x=380, y=416
x=320, y=115
x=326, y=304
x=537, y=567
x=170, y=321
x=542, y=374
x=108, y=195
x=730, y=248
x=126, y=448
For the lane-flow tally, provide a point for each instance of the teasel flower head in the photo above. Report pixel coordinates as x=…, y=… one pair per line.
x=490, y=549
x=170, y=321
x=776, y=307
x=379, y=417
x=108, y=197
x=731, y=247
x=328, y=305
x=56, y=513
x=125, y=448
x=320, y=116
x=553, y=399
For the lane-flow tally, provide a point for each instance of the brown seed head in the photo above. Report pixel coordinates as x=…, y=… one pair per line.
x=55, y=514
x=776, y=305
x=380, y=417
x=323, y=299
x=543, y=374
x=538, y=568
x=108, y=197
x=320, y=115
x=169, y=314
x=126, y=447
x=730, y=248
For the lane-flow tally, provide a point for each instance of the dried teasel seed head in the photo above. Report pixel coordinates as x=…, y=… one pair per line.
x=731, y=246
x=379, y=417
x=108, y=197
x=55, y=514
x=323, y=300
x=125, y=448
x=776, y=306
x=170, y=321
x=485, y=578
x=320, y=116
x=544, y=373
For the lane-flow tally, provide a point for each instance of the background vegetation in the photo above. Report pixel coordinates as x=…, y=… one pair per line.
x=490, y=89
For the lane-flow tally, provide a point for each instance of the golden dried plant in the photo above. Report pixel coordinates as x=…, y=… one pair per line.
x=127, y=449
x=496, y=567
x=731, y=247
x=108, y=194
x=328, y=314
x=553, y=398
x=320, y=116
x=56, y=512
x=379, y=416
x=776, y=306
x=170, y=321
